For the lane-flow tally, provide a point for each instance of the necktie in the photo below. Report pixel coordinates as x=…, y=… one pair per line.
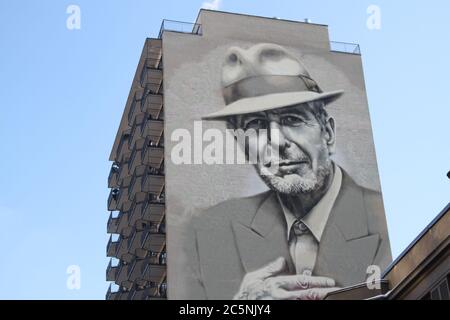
x=303, y=248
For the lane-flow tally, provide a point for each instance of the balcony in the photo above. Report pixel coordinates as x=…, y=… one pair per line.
x=152, y=153
x=153, y=242
x=122, y=249
x=153, y=273
x=112, y=295
x=153, y=180
x=152, y=128
x=122, y=199
x=134, y=241
x=121, y=274
x=151, y=76
x=152, y=103
x=113, y=223
x=137, y=294
x=136, y=155
x=135, y=188
x=113, y=178
x=147, y=291
x=156, y=258
x=123, y=227
x=135, y=271
x=135, y=211
x=111, y=247
x=136, y=129
x=123, y=146
x=112, y=199
x=135, y=106
x=111, y=271
x=153, y=211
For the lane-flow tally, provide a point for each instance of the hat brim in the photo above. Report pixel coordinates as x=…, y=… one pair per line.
x=271, y=102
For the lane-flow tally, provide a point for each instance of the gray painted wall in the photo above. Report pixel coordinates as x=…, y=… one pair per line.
x=192, y=74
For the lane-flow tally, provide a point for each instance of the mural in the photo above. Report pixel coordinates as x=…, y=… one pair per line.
x=313, y=229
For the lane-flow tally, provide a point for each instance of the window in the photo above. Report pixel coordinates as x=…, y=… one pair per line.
x=440, y=292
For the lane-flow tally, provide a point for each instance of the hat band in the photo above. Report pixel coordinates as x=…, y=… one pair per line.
x=268, y=84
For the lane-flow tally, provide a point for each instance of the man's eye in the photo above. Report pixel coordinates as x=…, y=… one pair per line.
x=292, y=121
x=256, y=124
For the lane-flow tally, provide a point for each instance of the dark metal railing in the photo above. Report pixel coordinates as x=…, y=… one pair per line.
x=345, y=47
x=113, y=173
x=152, y=200
x=150, y=64
x=148, y=118
x=180, y=26
x=147, y=96
x=133, y=108
x=150, y=171
x=125, y=138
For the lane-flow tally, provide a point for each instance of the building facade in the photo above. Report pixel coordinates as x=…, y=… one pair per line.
x=149, y=190
x=420, y=272
x=137, y=245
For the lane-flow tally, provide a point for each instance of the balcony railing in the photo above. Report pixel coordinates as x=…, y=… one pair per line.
x=152, y=127
x=136, y=128
x=135, y=106
x=111, y=247
x=111, y=271
x=113, y=175
x=345, y=47
x=150, y=76
x=152, y=103
x=132, y=241
x=113, y=223
x=112, y=295
x=123, y=144
x=180, y=26
x=151, y=271
x=112, y=199
x=152, y=180
x=122, y=272
x=123, y=170
x=152, y=241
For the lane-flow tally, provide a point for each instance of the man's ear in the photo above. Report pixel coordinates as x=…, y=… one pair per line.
x=330, y=134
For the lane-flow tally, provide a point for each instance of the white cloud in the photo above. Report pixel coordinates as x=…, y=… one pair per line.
x=212, y=4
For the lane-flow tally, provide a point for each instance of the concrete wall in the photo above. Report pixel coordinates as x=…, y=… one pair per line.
x=192, y=88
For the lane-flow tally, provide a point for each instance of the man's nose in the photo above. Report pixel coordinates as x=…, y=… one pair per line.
x=276, y=136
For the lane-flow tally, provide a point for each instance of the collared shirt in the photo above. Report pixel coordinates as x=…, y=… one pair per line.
x=304, y=234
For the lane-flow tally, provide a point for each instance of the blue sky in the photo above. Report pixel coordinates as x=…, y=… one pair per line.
x=62, y=94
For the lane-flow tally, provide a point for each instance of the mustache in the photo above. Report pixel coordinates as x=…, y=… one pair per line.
x=287, y=156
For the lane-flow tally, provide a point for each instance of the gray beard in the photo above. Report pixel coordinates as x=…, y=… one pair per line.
x=294, y=184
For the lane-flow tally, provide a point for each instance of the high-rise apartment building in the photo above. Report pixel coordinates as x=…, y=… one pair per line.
x=137, y=245
x=137, y=200
x=222, y=219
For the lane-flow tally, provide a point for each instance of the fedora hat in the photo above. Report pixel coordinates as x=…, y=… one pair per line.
x=265, y=77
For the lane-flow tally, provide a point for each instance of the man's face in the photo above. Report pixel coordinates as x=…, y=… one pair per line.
x=302, y=163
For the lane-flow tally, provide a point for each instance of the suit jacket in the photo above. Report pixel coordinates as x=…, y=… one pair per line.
x=241, y=235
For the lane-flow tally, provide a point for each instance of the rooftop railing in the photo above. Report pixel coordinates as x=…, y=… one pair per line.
x=180, y=26
x=345, y=47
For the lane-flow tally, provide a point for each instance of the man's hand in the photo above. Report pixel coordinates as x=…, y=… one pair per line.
x=267, y=284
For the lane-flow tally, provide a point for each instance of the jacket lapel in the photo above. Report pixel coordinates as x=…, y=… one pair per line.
x=264, y=239
x=347, y=248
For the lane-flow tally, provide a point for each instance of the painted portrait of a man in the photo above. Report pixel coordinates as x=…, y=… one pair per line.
x=315, y=230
